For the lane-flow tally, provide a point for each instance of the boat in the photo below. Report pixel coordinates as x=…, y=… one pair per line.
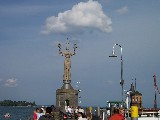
x=7, y=115
x=144, y=115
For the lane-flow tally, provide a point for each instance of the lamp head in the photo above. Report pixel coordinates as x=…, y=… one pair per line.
x=79, y=90
x=113, y=54
x=59, y=45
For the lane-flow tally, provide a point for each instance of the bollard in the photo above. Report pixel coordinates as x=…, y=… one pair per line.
x=134, y=113
x=98, y=111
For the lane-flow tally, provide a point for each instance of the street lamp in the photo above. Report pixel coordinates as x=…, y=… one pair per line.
x=79, y=90
x=113, y=55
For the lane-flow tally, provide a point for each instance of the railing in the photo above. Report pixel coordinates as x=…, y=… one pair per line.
x=149, y=114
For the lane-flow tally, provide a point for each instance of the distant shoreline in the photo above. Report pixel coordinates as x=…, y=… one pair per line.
x=17, y=103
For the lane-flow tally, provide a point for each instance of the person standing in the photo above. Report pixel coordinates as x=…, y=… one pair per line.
x=88, y=114
x=35, y=117
x=117, y=115
x=40, y=113
x=80, y=116
x=48, y=115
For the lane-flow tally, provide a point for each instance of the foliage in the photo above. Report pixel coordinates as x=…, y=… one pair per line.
x=16, y=103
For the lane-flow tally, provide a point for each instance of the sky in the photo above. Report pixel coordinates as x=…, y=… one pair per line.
x=31, y=68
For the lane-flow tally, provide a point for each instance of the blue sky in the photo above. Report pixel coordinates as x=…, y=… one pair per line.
x=31, y=68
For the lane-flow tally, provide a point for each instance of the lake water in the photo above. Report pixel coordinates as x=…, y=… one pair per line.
x=17, y=113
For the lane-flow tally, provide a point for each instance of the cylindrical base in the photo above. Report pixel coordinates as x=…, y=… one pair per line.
x=134, y=113
x=67, y=84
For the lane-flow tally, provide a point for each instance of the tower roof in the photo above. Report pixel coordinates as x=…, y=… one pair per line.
x=137, y=93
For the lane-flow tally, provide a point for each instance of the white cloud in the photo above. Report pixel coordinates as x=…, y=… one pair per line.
x=85, y=15
x=122, y=10
x=11, y=82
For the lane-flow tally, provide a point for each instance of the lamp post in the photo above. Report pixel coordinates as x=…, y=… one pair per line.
x=113, y=55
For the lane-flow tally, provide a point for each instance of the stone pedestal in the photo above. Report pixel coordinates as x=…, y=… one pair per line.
x=66, y=97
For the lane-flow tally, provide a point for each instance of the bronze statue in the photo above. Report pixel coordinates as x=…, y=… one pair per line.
x=67, y=62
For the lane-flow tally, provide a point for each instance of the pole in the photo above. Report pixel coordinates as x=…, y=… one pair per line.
x=103, y=115
x=121, y=81
x=155, y=96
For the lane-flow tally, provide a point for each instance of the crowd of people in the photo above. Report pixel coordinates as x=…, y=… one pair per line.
x=70, y=113
x=42, y=113
x=78, y=113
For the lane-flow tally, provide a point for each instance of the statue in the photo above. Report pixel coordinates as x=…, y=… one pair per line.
x=67, y=62
x=66, y=94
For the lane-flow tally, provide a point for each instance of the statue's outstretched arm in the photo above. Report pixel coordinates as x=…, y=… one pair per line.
x=60, y=52
x=74, y=48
